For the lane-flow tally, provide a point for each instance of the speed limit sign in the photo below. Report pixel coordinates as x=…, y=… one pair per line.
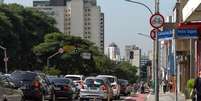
x=157, y=20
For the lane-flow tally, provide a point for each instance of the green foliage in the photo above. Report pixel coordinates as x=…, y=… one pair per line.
x=190, y=84
x=20, y=29
x=51, y=71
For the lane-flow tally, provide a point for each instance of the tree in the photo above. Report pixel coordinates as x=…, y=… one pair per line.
x=71, y=60
x=22, y=28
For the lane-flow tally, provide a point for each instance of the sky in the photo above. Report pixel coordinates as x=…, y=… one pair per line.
x=123, y=20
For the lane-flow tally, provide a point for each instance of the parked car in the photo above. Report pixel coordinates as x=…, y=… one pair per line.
x=114, y=83
x=64, y=88
x=34, y=85
x=96, y=88
x=124, y=86
x=8, y=91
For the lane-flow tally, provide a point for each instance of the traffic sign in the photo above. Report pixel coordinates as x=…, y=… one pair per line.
x=61, y=50
x=157, y=20
x=153, y=33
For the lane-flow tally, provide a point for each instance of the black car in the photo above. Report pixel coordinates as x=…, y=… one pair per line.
x=123, y=86
x=64, y=88
x=8, y=91
x=34, y=85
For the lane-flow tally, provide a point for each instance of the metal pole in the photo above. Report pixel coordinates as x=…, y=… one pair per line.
x=6, y=60
x=175, y=62
x=156, y=57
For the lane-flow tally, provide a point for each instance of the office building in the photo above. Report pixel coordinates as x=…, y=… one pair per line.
x=114, y=52
x=133, y=55
x=82, y=18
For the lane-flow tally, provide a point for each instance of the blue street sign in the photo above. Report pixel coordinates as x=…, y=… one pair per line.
x=186, y=33
x=165, y=35
x=180, y=34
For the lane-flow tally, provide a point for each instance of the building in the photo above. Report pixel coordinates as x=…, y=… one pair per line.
x=82, y=18
x=133, y=55
x=114, y=52
x=1, y=1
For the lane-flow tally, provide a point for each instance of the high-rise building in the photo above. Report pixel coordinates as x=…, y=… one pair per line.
x=133, y=55
x=114, y=52
x=1, y=1
x=82, y=18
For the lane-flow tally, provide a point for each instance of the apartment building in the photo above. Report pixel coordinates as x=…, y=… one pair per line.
x=82, y=18
x=114, y=52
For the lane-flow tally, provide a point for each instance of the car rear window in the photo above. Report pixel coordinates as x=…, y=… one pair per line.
x=61, y=81
x=123, y=82
x=23, y=75
x=73, y=78
x=97, y=82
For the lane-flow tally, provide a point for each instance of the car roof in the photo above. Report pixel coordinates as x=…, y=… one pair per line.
x=73, y=76
x=107, y=76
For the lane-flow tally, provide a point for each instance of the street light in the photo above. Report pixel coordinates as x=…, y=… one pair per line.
x=5, y=58
x=147, y=7
x=60, y=51
x=145, y=35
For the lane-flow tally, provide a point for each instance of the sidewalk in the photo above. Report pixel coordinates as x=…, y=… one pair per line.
x=166, y=97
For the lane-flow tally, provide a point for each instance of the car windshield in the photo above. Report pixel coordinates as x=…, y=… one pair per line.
x=73, y=78
x=23, y=75
x=94, y=82
x=61, y=81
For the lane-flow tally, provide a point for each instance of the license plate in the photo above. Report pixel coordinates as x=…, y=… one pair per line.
x=57, y=88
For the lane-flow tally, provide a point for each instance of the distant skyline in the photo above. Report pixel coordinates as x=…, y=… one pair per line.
x=124, y=19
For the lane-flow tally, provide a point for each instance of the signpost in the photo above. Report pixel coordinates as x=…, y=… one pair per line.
x=153, y=33
x=156, y=21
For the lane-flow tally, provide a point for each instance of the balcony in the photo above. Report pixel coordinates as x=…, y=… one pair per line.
x=192, y=11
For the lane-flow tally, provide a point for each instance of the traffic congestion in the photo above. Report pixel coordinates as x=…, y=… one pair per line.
x=37, y=86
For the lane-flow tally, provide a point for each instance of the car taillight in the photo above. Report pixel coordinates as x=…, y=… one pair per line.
x=66, y=87
x=36, y=84
x=103, y=88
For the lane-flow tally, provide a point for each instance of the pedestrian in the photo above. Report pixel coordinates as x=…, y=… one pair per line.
x=164, y=85
x=170, y=85
x=197, y=86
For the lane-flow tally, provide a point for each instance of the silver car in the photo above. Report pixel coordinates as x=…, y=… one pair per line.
x=96, y=88
x=8, y=91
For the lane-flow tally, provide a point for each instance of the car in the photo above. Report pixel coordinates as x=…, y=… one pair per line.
x=114, y=83
x=124, y=86
x=77, y=79
x=64, y=88
x=8, y=91
x=96, y=88
x=34, y=85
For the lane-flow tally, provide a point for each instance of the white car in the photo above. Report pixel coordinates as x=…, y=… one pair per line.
x=114, y=83
x=77, y=79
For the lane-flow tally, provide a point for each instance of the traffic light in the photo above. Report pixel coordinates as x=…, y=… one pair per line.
x=131, y=54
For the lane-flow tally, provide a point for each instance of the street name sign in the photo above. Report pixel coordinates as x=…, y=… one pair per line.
x=180, y=34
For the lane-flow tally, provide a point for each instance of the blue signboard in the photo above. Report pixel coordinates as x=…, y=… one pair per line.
x=165, y=35
x=180, y=34
x=186, y=33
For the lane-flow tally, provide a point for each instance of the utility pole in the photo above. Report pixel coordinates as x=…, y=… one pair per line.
x=156, y=57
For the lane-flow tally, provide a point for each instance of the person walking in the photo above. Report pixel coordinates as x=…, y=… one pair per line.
x=197, y=86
